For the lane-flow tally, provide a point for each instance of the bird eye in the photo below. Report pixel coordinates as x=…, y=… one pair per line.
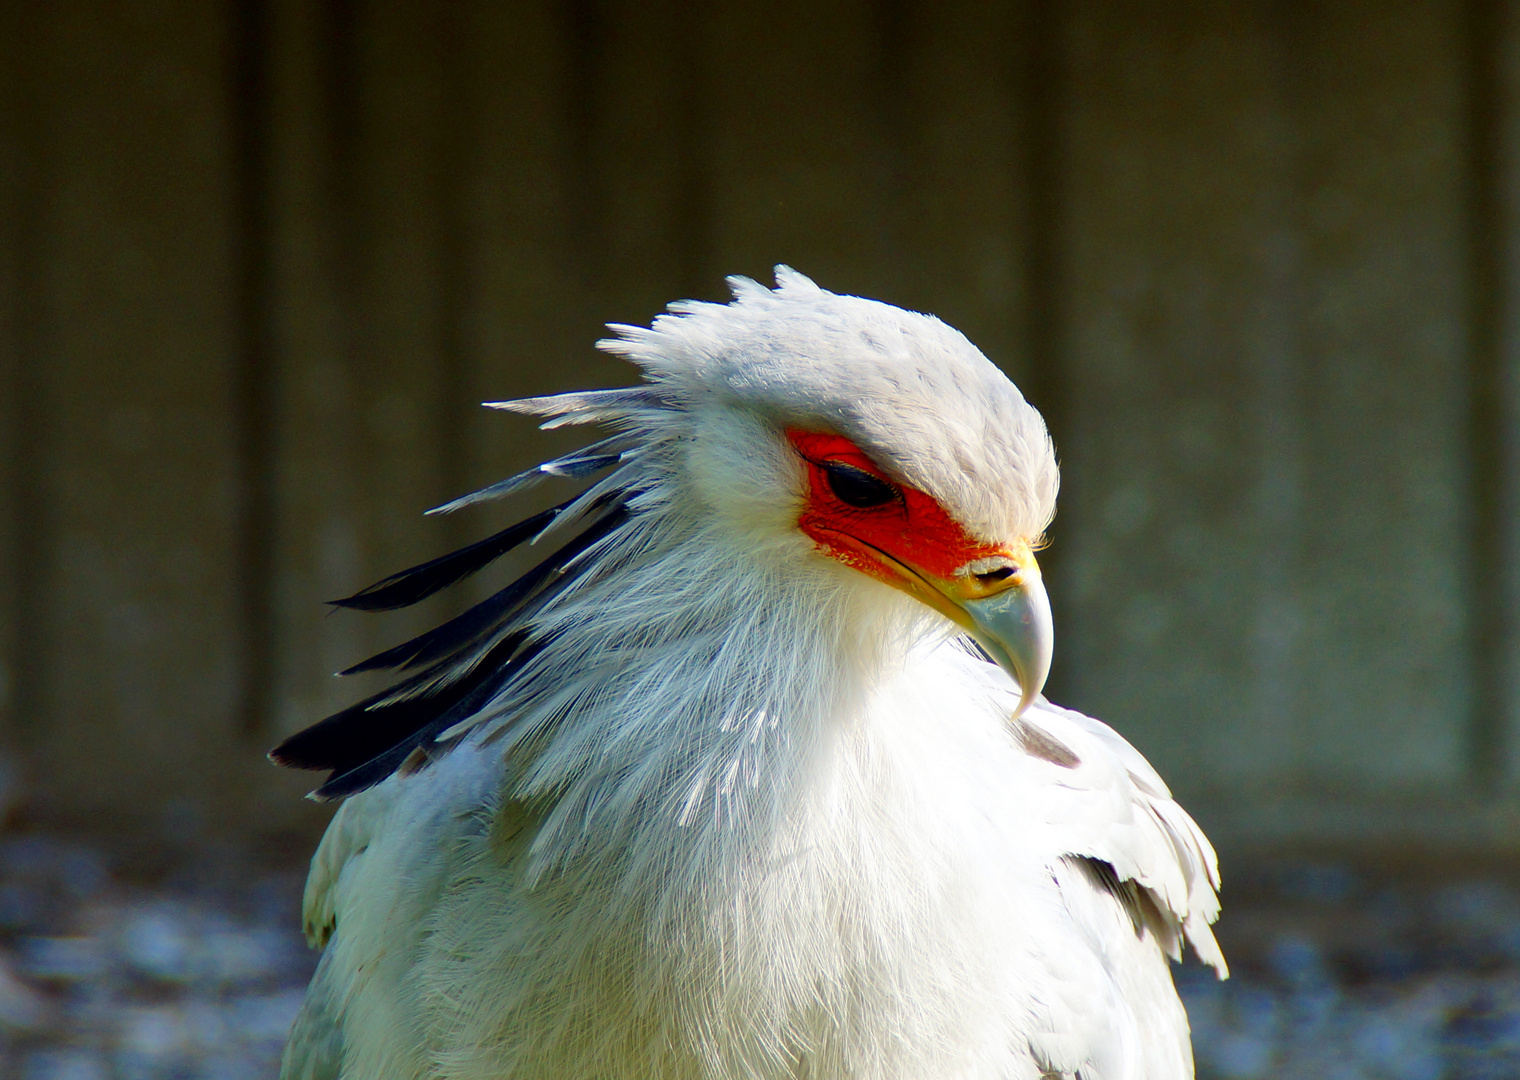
x=856, y=487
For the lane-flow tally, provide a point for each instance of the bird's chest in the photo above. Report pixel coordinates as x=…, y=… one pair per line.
x=891, y=928
x=882, y=924
x=888, y=928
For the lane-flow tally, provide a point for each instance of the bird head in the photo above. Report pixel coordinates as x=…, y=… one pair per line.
x=876, y=440
x=843, y=444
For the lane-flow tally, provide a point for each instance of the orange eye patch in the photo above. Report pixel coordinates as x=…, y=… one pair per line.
x=909, y=525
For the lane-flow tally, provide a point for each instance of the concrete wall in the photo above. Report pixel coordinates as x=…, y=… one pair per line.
x=258, y=261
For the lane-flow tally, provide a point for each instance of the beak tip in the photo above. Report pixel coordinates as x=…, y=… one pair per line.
x=1015, y=628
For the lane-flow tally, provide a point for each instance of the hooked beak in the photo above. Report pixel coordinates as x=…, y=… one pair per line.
x=1000, y=600
x=1015, y=627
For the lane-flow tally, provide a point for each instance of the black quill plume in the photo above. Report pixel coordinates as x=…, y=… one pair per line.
x=464, y=663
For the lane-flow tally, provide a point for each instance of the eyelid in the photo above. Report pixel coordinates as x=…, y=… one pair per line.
x=824, y=458
x=831, y=463
x=897, y=497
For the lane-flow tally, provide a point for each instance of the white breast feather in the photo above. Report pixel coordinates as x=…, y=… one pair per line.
x=921, y=890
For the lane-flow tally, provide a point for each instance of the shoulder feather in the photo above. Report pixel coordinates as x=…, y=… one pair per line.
x=1108, y=804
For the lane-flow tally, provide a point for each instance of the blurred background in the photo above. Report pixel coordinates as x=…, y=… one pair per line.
x=1257, y=262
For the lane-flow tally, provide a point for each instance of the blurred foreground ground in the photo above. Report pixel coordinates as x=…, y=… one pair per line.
x=189, y=965
x=153, y=964
x=1397, y=973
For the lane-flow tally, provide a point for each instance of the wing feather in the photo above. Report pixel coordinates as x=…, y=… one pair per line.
x=1110, y=805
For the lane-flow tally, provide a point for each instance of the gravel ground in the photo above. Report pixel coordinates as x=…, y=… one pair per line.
x=193, y=968
x=1341, y=975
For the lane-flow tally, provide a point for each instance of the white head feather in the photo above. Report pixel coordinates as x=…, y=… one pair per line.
x=911, y=391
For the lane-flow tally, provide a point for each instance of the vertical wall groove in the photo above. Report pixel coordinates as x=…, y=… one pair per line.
x=693, y=226
x=1042, y=95
x=255, y=362
x=30, y=452
x=585, y=31
x=1279, y=391
x=457, y=156
x=895, y=32
x=1485, y=236
x=341, y=113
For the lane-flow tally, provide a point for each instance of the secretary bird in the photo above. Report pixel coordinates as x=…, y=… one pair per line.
x=751, y=778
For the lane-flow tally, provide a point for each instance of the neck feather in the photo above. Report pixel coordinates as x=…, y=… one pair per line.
x=693, y=684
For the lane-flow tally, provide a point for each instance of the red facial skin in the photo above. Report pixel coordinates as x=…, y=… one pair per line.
x=912, y=529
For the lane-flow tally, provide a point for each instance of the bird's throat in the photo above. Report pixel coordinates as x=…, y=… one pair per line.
x=692, y=707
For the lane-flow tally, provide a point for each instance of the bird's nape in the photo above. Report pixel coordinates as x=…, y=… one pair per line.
x=456, y=669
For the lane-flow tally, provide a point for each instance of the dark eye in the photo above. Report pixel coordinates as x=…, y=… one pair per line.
x=856, y=487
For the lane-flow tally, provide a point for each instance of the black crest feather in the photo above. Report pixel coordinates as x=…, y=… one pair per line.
x=463, y=663
x=416, y=583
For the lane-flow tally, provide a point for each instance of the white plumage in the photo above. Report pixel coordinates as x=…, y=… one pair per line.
x=705, y=799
